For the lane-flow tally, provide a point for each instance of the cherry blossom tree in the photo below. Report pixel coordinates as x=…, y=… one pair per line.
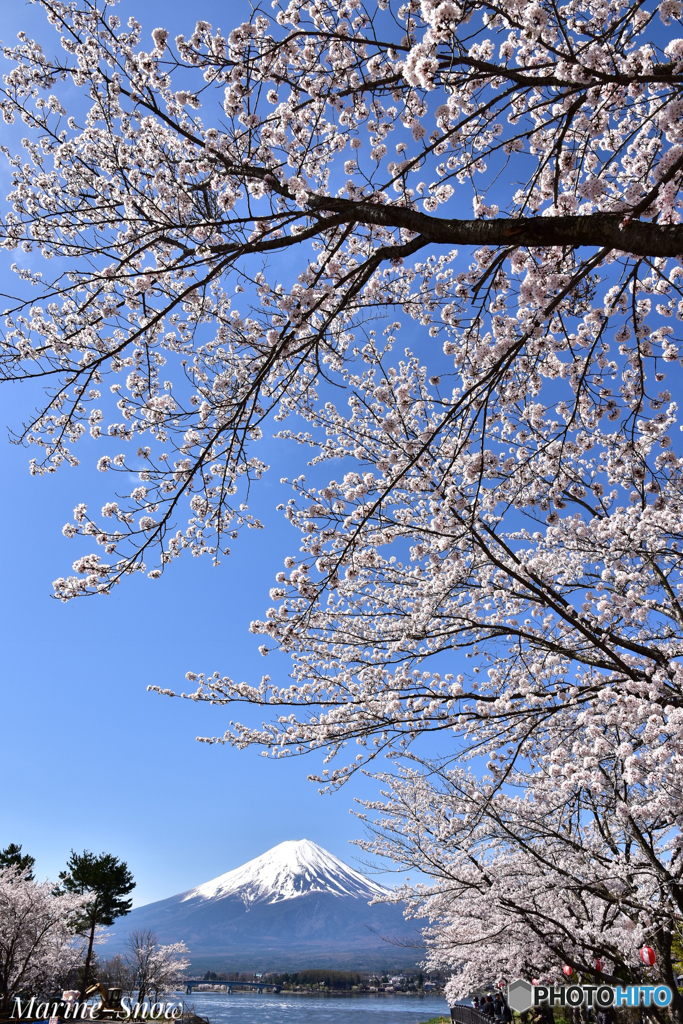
x=154, y=205
x=154, y=968
x=240, y=241
x=567, y=865
x=168, y=966
x=38, y=941
x=518, y=425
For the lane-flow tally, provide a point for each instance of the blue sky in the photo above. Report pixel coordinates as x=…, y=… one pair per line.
x=88, y=758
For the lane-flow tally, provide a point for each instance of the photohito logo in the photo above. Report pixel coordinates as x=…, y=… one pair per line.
x=522, y=995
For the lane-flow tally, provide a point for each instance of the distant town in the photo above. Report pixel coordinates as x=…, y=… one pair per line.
x=317, y=980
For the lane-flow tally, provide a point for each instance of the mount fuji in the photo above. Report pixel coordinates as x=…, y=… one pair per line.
x=295, y=906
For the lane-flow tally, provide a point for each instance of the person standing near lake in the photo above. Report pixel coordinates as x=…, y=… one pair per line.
x=487, y=1007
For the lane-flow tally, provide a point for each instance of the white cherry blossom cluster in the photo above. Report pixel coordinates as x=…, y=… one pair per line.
x=38, y=944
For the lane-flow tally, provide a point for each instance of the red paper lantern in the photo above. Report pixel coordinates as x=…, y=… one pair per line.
x=534, y=981
x=648, y=956
x=567, y=970
x=598, y=965
x=502, y=983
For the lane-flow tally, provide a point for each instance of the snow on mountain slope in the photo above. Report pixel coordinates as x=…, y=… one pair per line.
x=289, y=870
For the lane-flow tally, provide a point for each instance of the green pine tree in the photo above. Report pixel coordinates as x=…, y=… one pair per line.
x=12, y=857
x=108, y=880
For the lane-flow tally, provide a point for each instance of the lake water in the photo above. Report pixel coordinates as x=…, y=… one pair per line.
x=268, y=1008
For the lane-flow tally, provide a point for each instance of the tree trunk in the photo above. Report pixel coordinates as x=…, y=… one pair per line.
x=88, y=957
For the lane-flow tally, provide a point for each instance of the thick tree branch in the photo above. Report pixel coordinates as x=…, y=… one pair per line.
x=611, y=230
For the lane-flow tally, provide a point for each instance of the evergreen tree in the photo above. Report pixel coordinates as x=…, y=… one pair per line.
x=12, y=857
x=107, y=880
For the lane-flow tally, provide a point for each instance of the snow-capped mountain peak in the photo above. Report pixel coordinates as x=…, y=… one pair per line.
x=289, y=870
x=295, y=906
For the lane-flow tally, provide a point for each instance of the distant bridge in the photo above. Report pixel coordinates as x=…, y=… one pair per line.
x=260, y=986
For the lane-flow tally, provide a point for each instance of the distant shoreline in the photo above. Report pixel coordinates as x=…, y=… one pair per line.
x=326, y=995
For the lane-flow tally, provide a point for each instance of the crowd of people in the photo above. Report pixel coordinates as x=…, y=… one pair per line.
x=494, y=1008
